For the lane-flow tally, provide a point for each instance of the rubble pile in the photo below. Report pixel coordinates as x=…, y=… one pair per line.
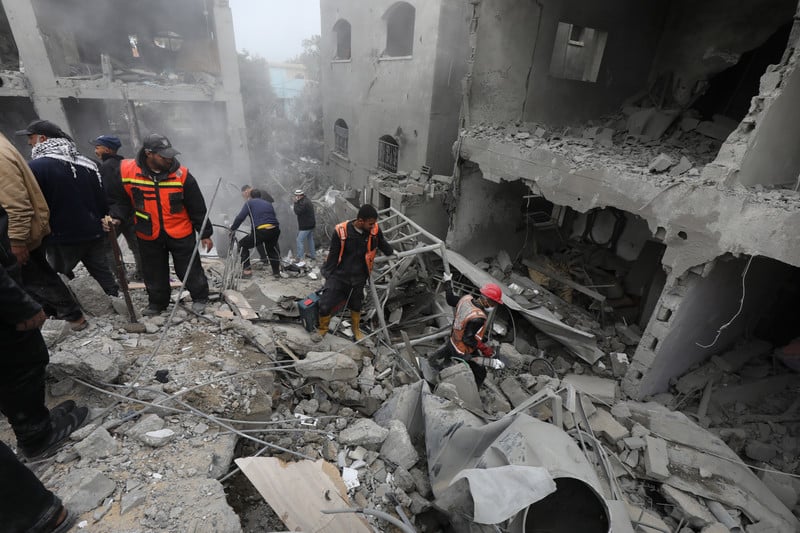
x=166, y=428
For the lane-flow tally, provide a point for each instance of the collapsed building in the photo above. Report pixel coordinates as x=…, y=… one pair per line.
x=127, y=69
x=646, y=153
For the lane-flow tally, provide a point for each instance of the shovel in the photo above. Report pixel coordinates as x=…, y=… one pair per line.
x=133, y=326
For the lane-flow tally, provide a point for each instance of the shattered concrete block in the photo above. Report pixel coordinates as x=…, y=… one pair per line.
x=363, y=432
x=54, y=331
x=760, y=451
x=683, y=166
x=656, y=460
x=99, y=445
x=687, y=507
x=90, y=365
x=513, y=356
x=661, y=163
x=605, y=137
x=145, y=424
x=329, y=366
x=403, y=479
x=84, y=489
x=716, y=527
x=461, y=377
x=514, y=391
x=602, y=389
x=619, y=363
x=634, y=443
x=158, y=438
x=90, y=296
x=781, y=486
x=132, y=500
x=605, y=425
x=398, y=448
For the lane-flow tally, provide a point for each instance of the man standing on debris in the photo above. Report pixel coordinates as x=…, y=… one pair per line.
x=348, y=266
x=306, y=222
x=168, y=208
x=264, y=234
x=22, y=370
x=71, y=184
x=469, y=327
x=106, y=148
x=28, y=225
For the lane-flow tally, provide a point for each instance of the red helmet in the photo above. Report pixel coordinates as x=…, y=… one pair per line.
x=493, y=292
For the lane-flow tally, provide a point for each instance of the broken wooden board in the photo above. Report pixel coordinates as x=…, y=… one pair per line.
x=299, y=492
x=550, y=273
x=240, y=304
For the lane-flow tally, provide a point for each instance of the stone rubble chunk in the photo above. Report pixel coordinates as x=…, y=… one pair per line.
x=656, y=460
x=403, y=479
x=782, y=487
x=329, y=366
x=98, y=445
x=683, y=166
x=132, y=500
x=91, y=296
x=687, y=507
x=604, y=424
x=363, y=432
x=597, y=388
x=145, y=424
x=83, y=432
x=461, y=377
x=760, y=451
x=88, y=364
x=158, y=438
x=54, y=331
x=83, y=489
x=398, y=448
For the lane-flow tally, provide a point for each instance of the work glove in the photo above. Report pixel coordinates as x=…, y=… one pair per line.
x=447, y=276
x=495, y=363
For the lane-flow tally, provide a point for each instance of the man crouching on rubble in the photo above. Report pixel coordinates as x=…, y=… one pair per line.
x=348, y=266
x=469, y=325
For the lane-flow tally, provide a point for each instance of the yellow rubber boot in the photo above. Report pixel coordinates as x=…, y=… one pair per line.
x=322, y=330
x=355, y=316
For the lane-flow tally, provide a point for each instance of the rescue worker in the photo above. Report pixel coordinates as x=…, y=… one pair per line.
x=264, y=234
x=168, y=208
x=353, y=248
x=469, y=329
x=106, y=148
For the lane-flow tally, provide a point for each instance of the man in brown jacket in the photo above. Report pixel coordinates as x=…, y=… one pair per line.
x=28, y=225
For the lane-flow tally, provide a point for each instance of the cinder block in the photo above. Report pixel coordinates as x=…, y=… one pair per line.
x=656, y=460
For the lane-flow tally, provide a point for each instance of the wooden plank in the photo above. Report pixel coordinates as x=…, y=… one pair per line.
x=240, y=304
x=563, y=280
x=298, y=492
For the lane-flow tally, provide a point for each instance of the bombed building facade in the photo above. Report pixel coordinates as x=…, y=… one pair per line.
x=646, y=154
x=127, y=69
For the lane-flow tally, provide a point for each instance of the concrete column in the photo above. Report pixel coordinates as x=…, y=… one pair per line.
x=229, y=61
x=36, y=63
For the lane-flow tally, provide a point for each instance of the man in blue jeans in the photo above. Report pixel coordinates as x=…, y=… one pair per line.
x=306, y=222
x=264, y=234
x=25, y=504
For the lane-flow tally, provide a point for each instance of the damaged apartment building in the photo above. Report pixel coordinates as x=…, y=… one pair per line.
x=642, y=153
x=128, y=69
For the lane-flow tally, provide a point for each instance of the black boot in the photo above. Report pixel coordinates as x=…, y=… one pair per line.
x=61, y=426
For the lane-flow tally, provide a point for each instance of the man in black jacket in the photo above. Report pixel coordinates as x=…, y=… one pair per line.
x=306, y=222
x=25, y=504
x=106, y=148
x=348, y=266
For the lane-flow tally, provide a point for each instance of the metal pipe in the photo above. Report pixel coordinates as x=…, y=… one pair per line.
x=406, y=253
x=724, y=516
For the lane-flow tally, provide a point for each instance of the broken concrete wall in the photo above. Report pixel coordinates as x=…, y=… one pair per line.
x=508, y=42
x=702, y=39
x=487, y=216
x=690, y=312
x=449, y=71
x=632, y=239
x=397, y=91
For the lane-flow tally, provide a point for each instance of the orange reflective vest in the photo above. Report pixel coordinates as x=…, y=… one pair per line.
x=465, y=311
x=156, y=204
x=372, y=243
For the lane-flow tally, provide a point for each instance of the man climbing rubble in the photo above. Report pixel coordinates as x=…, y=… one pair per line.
x=469, y=328
x=168, y=208
x=264, y=233
x=349, y=264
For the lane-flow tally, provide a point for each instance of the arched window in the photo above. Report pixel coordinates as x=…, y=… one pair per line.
x=400, y=30
x=341, y=134
x=342, y=31
x=388, y=151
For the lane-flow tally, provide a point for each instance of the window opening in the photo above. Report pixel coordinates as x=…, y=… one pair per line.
x=400, y=30
x=388, y=152
x=341, y=135
x=342, y=31
x=577, y=52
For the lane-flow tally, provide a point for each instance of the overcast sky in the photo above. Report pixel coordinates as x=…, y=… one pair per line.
x=274, y=29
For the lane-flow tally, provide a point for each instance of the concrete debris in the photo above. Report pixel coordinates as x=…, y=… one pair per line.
x=158, y=438
x=603, y=390
x=460, y=377
x=363, y=432
x=84, y=489
x=54, y=331
x=330, y=366
x=687, y=507
x=98, y=445
x=603, y=424
x=131, y=501
x=90, y=296
x=398, y=448
x=656, y=459
x=97, y=367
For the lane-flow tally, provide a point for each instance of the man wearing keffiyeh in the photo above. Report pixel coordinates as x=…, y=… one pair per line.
x=73, y=189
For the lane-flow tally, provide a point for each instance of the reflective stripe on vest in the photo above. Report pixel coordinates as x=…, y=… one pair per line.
x=465, y=311
x=156, y=205
x=372, y=246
